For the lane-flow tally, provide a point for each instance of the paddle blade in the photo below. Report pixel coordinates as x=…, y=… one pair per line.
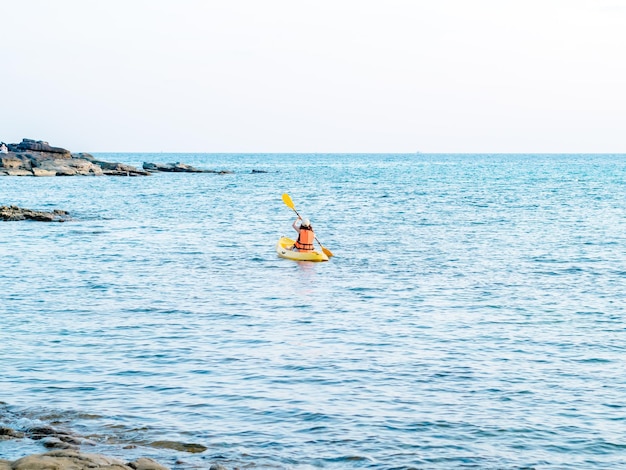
x=288, y=202
x=326, y=251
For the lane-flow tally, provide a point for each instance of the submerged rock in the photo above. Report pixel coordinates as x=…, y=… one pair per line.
x=11, y=213
x=68, y=456
x=181, y=446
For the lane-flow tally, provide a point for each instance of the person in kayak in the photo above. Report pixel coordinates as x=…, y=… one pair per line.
x=306, y=235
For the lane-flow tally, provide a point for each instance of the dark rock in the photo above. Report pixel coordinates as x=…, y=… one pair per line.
x=118, y=169
x=192, y=448
x=259, y=171
x=56, y=443
x=13, y=213
x=39, y=432
x=84, y=156
x=38, y=146
x=173, y=168
x=178, y=167
x=8, y=433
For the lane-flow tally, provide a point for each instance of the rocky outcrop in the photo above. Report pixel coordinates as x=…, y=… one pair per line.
x=38, y=146
x=113, y=168
x=64, y=451
x=75, y=460
x=38, y=158
x=177, y=168
x=8, y=213
x=171, y=167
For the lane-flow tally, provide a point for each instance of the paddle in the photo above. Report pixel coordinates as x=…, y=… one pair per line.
x=289, y=203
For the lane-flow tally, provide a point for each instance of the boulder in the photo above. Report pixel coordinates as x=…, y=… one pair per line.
x=74, y=460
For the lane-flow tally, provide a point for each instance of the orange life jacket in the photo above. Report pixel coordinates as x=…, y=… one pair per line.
x=305, y=239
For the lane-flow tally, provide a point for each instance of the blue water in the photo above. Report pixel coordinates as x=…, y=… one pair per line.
x=472, y=316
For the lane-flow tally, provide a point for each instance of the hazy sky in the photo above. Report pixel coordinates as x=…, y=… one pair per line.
x=315, y=76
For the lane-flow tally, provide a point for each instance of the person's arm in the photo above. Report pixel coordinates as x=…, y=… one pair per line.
x=296, y=224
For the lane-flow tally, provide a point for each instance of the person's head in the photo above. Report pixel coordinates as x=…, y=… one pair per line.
x=305, y=223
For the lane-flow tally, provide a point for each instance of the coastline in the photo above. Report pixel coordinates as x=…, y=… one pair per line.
x=42, y=446
x=38, y=158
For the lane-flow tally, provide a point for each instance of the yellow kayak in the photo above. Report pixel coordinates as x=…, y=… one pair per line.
x=283, y=248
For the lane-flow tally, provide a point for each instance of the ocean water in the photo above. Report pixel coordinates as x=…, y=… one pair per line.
x=472, y=316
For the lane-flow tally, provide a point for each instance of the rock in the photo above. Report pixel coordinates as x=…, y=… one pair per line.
x=192, y=448
x=75, y=166
x=145, y=463
x=56, y=443
x=39, y=432
x=217, y=466
x=38, y=146
x=119, y=169
x=16, y=172
x=173, y=168
x=74, y=460
x=12, y=161
x=179, y=168
x=66, y=455
x=84, y=156
x=12, y=213
x=38, y=158
x=67, y=460
x=8, y=433
x=42, y=172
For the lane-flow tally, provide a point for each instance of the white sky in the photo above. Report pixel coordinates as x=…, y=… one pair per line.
x=315, y=76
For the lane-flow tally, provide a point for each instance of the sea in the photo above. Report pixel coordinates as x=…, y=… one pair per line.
x=472, y=316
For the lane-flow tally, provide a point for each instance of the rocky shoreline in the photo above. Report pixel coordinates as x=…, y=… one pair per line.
x=38, y=158
x=73, y=460
x=64, y=452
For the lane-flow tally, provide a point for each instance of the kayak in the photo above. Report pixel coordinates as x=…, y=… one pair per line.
x=283, y=248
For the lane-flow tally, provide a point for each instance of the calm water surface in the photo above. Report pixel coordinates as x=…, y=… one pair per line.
x=472, y=317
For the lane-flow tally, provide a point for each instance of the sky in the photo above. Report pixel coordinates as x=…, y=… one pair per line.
x=324, y=76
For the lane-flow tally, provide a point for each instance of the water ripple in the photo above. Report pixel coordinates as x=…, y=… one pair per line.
x=478, y=323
